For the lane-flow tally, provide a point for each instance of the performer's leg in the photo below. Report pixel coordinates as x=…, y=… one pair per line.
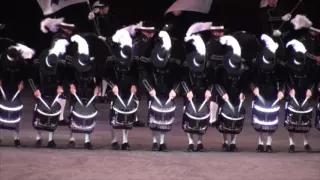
x=291, y=141
x=138, y=122
x=104, y=87
x=191, y=143
x=260, y=147
x=233, y=146
x=125, y=144
x=163, y=147
x=72, y=140
x=269, y=142
x=225, y=145
x=38, y=139
x=200, y=147
x=307, y=147
x=87, y=142
x=213, y=112
x=62, y=121
x=51, y=143
x=17, y=136
x=154, y=141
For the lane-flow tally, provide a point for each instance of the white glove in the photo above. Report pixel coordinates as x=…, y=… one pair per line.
x=286, y=17
x=103, y=38
x=91, y=15
x=276, y=33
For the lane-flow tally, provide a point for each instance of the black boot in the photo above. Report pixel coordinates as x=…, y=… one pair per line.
x=38, y=143
x=190, y=148
x=89, y=146
x=115, y=146
x=200, y=148
x=233, y=148
x=292, y=149
x=225, y=147
x=163, y=147
x=17, y=143
x=125, y=146
x=260, y=148
x=72, y=144
x=139, y=123
x=52, y=144
x=307, y=147
x=269, y=149
x=64, y=122
x=155, y=147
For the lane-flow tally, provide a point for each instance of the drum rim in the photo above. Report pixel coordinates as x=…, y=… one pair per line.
x=198, y=118
x=154, y=121
x=125, y=113
x=290, y=108
x=264, y=123
x=48, y=114
x=169, y=110
x=14, y=109
x=10, y=122
x=200, y=129
x=73, y=124
x=266, y=110
x=94, y=114
x=231, y=118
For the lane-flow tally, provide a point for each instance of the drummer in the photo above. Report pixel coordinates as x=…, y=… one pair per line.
x=13, y=73
x=163, y=77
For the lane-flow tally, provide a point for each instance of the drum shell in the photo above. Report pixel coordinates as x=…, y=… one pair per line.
x=230, y=123
x=298, y=122
x=10, y=119
x=44, y=122
x=161, y=121
x=121, y=117
x=195, y=125
x=86, y=123
x=265, y=117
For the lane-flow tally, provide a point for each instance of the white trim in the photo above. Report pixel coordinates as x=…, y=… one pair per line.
x=159, y=58
x=270, y=123
x=85, y=116
x=74, y=125
x=267, y=110
x=9, y=58
x=47, y=63
x=231, y=64
x=216, y=27
x=82, y=64
x=195, y=62
x=231, y=118
x=123, y=55
x=201, y=129
x=198, y=118
x=265, y=60
x=315, y=29
x=125, y=113
x=154, y=121
x=18, y=108
x=296, y=62
x=163, y=110
x=300, y=112
x=47, y=114
x=67, y=25
x=10, y=121
x=146, y=28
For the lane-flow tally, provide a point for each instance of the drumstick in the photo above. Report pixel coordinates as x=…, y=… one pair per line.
x=3, y=94
x=94, y=96
x=120, y=99
x=261, y=99
x=230, y=105
x=14, y=97
x=43, y=102
x=55, y=99
x=193, y=106
x=158, y=101
x=202, y=105
x=295, y=100
x=75, y=95
x=169, y=99
x=240, y=105
x=275, y=102
x=305, y=101
x=131, y=96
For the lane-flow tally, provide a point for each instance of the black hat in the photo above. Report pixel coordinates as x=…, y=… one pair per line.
x=296, y=55
x=123, y=54
x=147, y=26
x=48, y=62
x=196, y=60
x=267, y=57
x=100, y=4
x=10, y=53
x=123, y=51
x=81, y=59
x=161, y=51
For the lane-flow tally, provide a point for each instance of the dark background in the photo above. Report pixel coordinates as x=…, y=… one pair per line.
x=23, y=17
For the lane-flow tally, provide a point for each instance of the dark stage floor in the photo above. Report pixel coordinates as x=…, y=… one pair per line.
x=29, y=163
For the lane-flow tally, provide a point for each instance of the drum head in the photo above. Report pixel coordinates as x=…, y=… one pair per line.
x=202, y=113
x=132, y=106
x=53, y=109
x=231, y=112
x=10, y=104
x=170, y=106
x=83, y=110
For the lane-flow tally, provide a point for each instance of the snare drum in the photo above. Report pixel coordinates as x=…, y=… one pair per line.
x=298, y=119
x=83, y=119
x=123, y=117
x=45, y=119
x=161, y=116
x=265, y=117
x=230, y=121
x=196, y=122
x=10, y=114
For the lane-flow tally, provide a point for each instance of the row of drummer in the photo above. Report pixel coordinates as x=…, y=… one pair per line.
x=214, y=77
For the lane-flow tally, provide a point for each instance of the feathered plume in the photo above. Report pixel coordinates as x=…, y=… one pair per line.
x=297, y=46
x=51, y=24
x=59, y=47
x=83, y=47
x=132, y=29
x=198, y=27
x=166, y=40
x=231, y=41
x=26, y=52
x=199, y=44
x=122, y=37
x=270, y=44
x=301, y=21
